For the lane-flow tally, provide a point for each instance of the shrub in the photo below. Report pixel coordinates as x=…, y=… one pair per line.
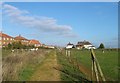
x=101, y=46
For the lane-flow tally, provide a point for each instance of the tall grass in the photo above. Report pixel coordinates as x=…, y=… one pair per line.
x=19, y=65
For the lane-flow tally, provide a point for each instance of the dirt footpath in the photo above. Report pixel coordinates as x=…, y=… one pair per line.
x=46, y=71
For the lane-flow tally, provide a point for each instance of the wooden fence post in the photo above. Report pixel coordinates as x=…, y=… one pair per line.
x=96, y=67
x=92, y=78
x=96, y=71
x=66, y=53
x=101, y=74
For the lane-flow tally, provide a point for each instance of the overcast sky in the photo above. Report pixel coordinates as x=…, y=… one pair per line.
x=60, y=23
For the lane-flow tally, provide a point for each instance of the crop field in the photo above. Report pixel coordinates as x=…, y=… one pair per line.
x=108, y=61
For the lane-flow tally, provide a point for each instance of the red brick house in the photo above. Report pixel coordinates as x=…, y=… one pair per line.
x=36, y=43
x=5, y=39
x=22, y=40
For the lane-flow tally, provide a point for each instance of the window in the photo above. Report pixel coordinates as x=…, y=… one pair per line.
x=11, y=39
x=7, y=38
x=4, y=38
x=0, y=38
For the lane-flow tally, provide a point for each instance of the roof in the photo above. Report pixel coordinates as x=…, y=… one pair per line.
x=84, y=43
x=34, y=41
x=20, y=38
x=5, y=35
x=69, y=44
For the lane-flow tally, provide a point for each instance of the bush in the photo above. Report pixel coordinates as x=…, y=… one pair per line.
x=18, y=45
x=101, y=46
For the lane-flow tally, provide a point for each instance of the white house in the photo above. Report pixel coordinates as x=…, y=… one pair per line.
x=91, y=47
x=48, y=46
x=52, y=47
x=69, y=46
x=85, y=44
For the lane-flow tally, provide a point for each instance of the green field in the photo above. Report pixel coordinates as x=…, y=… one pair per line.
x=69, y=71
x=107, y=60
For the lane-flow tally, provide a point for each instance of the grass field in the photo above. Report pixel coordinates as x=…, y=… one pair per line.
x=107, y=60
x=69, y=71
x=21, y=65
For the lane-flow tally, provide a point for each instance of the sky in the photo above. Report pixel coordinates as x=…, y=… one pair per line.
x=60, y=0
x=57, y=23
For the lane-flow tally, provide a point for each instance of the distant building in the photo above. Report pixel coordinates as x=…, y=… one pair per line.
x=36, y=43
x=69, y=46
x=21, y=39
x=85, y=44
x=5, y=39
x=48, y=46
x=79, y=45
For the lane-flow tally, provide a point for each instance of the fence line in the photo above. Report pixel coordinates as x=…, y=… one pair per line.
x=96, y=67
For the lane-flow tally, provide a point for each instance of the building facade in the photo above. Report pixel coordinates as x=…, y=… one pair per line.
x=21, y=39
x=69, y=46
x=85, y=44
x=6, y=39
x=36, y=43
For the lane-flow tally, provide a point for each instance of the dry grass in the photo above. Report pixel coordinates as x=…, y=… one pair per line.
x=15, y=62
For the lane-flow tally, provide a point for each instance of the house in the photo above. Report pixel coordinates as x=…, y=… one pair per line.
x=36, y=43
x=85, y=44
x=21, y=39
x=79, y=45
x=48, y=46
x=91, y=47
x=69, y=46
x=5, y=39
